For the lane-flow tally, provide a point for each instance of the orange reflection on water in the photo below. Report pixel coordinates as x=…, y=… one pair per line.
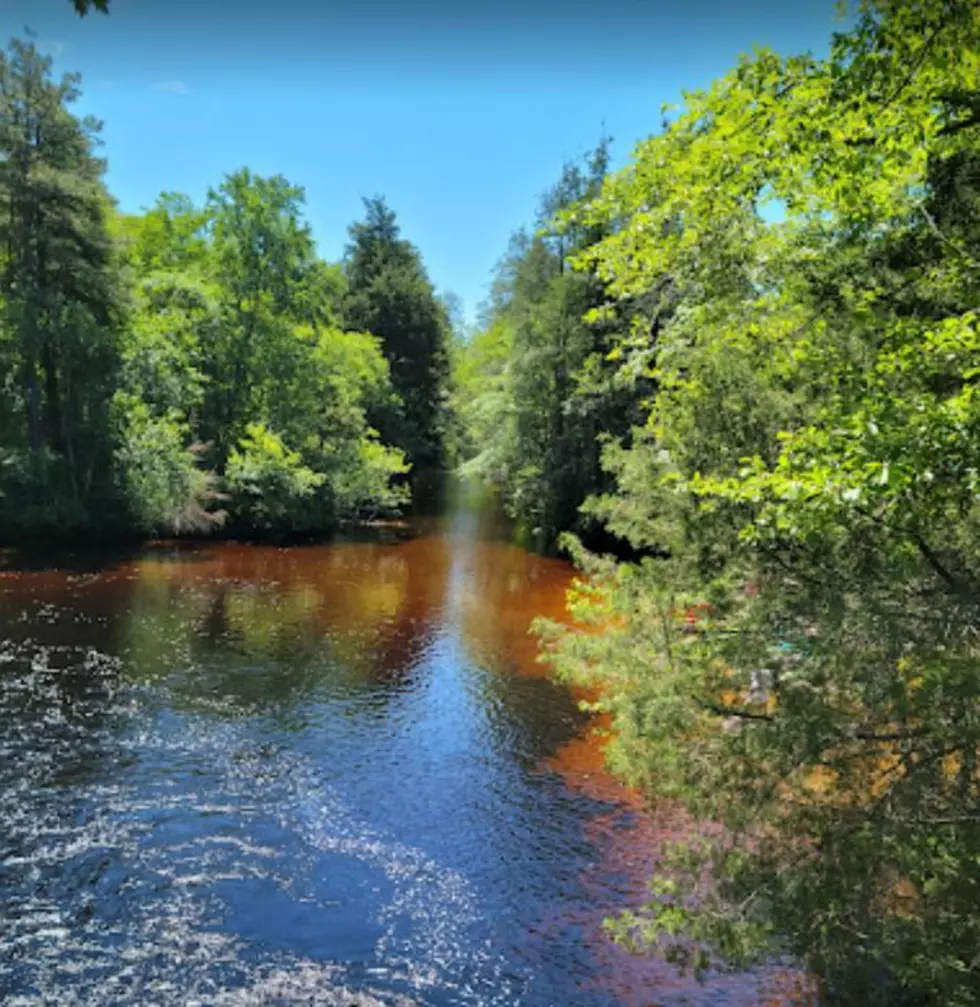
x=381, y=602
x=503, y=589
x=629, y=838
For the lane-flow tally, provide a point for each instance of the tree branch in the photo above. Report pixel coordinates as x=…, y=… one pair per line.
x=956, y=585
x=728, y=711
x=861, y=735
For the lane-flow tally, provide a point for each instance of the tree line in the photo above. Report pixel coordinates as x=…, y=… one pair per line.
x=191, y=366
x=752, y=356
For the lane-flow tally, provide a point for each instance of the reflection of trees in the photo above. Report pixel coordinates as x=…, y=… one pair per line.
x=263, y=627
x=260, y=625
x=392, y=597
x=500, y=589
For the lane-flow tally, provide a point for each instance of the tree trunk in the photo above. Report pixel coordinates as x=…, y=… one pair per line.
x=53, y=424
x=32, y=397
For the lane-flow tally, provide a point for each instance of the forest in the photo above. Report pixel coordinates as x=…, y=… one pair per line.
x=736, y=380
x=198, y=366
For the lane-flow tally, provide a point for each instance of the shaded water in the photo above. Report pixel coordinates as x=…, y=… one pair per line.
x=326, y=774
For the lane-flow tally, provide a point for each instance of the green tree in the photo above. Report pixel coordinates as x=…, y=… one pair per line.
x=537, y=391
x=801, y=662
x=143, y=354
x=84, y=6
x=60, y=288
x=175, y=313
x=262, y=253
x=389, y=294
x=158, y=472
x=270, y=483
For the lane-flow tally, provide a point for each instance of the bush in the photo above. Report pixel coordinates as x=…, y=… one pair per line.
x=270, y=487
x=158, y=476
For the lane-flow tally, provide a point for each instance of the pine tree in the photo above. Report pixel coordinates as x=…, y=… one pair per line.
x=59, y=284
x=391, y=296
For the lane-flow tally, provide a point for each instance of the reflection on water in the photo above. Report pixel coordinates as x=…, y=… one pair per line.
x=327, y=774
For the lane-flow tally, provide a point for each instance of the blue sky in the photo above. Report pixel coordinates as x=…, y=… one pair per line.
x=460, y=115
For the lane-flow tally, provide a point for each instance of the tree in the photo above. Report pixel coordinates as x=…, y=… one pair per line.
x=538, y=393
x=389, y=295
x=137, y=349
x=800, y=663
x=82, y=7
x=262, y=255
x=61, y=292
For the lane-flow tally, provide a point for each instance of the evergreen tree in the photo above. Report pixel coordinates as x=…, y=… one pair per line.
x=390, y=295
x=538, y=385
x=60, y=287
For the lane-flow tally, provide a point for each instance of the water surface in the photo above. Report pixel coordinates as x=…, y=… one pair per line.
x=327, y=774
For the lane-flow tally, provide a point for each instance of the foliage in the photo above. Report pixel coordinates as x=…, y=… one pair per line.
x=150, y=358
x=363, y=485
x=801, y=664
x=390, y=295
x=60, y=297
x=36, y=493
x=269, y=484
x=534, y=390
x=82, y=7
x=755, y=350
x=161, y=482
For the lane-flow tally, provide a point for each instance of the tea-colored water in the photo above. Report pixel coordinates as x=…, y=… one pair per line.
x=327, y=774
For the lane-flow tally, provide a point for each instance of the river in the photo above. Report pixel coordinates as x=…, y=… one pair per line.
x=327, y=774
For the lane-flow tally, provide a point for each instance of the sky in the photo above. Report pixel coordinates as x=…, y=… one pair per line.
x=460, y=114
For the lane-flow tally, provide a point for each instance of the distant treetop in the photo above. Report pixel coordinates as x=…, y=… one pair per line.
x=84, y=6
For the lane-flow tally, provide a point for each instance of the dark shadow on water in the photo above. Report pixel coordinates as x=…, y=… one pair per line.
x=439, y=504
x=95, y=559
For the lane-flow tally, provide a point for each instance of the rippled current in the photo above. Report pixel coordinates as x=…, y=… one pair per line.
x=318, y=775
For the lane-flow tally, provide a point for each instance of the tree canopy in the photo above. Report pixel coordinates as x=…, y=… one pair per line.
x=791, y=265
x=84, y=6
x=536, y=393
x=184, y=367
